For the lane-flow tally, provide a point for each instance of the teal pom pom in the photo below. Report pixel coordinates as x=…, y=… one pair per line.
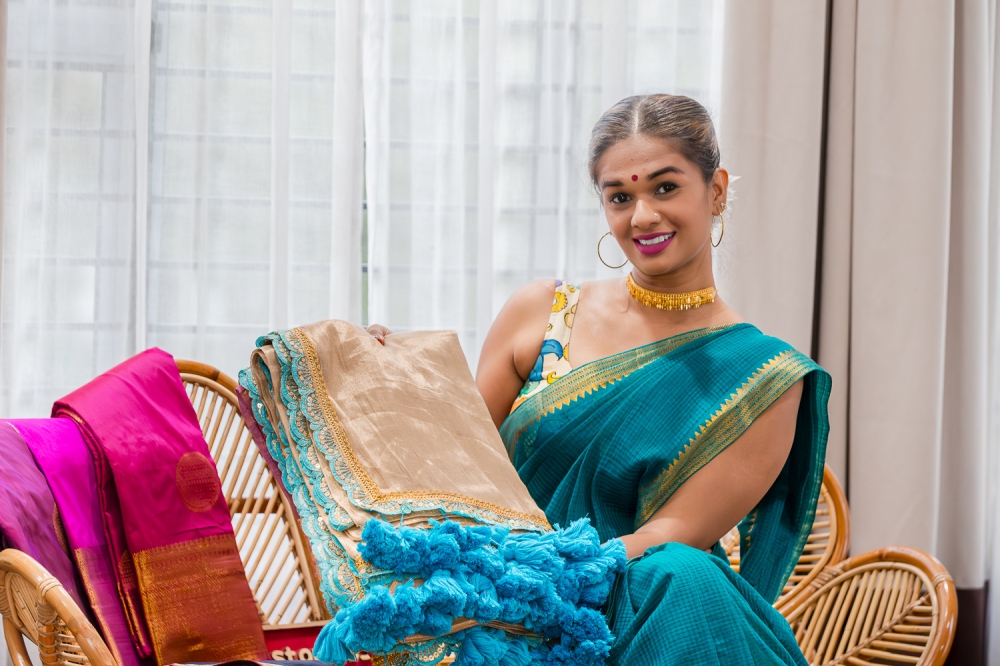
x=532, y=550
x=577, y=542
x=481, y=647
x=481, y=602
x=328, y=649
x=517, y=654
x=550, y=583
x=485, y=561
x=409, y=613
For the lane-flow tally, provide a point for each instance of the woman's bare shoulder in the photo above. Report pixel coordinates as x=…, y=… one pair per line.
x=512, y=346
x=529, y=299
x=519, y=328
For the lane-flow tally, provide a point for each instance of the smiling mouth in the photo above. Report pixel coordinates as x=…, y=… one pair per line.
x=656, y=240
x=654, y=244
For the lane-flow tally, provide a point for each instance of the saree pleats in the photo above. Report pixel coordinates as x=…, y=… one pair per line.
x=679, y=605
x=68, y=467
x=614, y=439
x=173, y=552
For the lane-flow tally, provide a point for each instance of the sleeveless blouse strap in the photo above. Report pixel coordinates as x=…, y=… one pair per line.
x=552, y=362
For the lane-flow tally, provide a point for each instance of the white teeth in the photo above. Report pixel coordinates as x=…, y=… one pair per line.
x=654, y=241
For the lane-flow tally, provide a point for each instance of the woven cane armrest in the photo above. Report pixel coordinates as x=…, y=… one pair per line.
x=890, y=606
x=275, y=555
x=828, y=541
x=34, y=604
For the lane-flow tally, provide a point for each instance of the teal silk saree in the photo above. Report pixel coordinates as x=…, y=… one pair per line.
x=615, y=438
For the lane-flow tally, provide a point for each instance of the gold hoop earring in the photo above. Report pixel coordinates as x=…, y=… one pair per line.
x=722, y=209
x=602, y=258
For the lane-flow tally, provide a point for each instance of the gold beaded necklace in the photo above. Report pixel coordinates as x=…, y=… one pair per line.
x=661, y=301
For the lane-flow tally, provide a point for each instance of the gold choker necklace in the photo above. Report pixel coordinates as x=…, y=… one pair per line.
x=661, y=301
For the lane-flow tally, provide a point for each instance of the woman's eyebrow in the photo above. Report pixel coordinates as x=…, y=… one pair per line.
x=669, y=169
x=611, y=183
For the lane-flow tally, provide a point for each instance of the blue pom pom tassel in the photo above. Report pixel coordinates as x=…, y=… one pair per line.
x=551, y=583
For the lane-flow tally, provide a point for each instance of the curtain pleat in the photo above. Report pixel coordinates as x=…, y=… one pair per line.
x=904, y=319
x=281, y=69
x=69, y=199
x=770, y=131
x=834, y=326
x=347, y=182
x=908, y=324
x=477, y=122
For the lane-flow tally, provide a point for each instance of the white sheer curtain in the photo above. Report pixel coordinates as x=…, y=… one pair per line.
x=192, y=175
x=477, y=117
x=242, y=230
x=69, y=227
x=173, y=171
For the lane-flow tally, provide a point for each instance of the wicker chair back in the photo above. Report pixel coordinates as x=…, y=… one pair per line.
x=275, y=554
x=34, y=604
x=889, y=606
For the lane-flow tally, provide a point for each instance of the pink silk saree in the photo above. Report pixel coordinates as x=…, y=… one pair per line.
x=68, y=467
x=29, y=519
x=153, y=463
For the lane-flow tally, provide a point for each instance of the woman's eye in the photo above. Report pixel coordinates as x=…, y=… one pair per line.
x=618, y=198
x=666, y=188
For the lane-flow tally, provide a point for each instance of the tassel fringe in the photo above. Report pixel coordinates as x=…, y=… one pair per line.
x=552, y=583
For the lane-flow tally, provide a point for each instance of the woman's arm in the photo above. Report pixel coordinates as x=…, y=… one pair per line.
x=725, y=490
x=512, y=346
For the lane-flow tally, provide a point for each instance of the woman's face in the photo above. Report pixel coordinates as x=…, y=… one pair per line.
x=658, y=206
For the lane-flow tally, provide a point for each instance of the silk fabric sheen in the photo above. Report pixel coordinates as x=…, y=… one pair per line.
x=29, y=520
x=69, y=469
x=615, y=438
x=396, y=431
x=153, y=463
x=439, y=435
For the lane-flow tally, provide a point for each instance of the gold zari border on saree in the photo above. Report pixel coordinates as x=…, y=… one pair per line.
x=85, y=562
x=361, y=476
x=198, y=604
x=594, y=376
x=722, y=428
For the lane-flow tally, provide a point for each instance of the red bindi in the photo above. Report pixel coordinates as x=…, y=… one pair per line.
x=634, y=178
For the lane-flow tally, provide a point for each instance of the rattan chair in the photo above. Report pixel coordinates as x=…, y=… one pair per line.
x=34, y=604
x=273, y=549
x=888, y=606
x=828, y=542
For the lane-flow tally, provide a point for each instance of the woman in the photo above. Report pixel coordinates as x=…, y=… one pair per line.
x=667, y=420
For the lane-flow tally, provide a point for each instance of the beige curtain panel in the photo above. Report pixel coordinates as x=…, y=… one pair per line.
x=865, y=230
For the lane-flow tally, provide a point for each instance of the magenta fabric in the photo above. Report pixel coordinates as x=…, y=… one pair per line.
x=140, y=415
x=68, y=467
x=112, y=523
x=246, y=411
x=29, y=521
x=154, y=466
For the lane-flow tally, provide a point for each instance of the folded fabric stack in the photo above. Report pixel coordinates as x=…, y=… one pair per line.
x=122, y=481
x=426, y=540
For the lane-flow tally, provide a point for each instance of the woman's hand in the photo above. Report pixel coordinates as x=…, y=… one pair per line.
x=379, y=332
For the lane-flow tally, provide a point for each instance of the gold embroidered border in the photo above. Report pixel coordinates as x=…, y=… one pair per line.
x=729, y=421
x=84, y=563
x=597, y=375
x=198, y=603
x=361, y=475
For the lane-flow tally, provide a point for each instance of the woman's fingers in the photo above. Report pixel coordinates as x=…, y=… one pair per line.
x=378, y=331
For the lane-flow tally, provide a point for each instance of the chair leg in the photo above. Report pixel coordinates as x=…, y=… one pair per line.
x=15, y=644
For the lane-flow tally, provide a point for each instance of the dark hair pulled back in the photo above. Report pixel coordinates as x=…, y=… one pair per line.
x=680, y=120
